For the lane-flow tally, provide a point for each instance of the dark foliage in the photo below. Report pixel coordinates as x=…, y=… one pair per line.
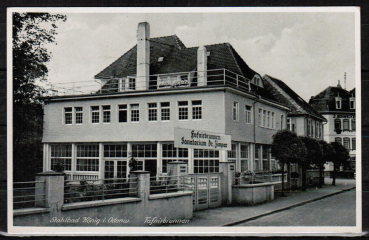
x=340, y=157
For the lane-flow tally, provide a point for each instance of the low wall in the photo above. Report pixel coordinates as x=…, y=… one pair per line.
x=143, y=210
x=252, y=194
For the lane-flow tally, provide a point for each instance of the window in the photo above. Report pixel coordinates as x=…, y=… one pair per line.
x=337, y=124
x=232, y=155
x=165, y=111
x=115, y=150
x=79, y=115
x=135, y=113
x=272, y=125
x=317, y=130
x=289, y=124
x=248, y=114
x=353, y=125
x=346, y=125
x=352, y=103
x=61, y=154
x=264, y=118
x=265, y=158
x=338, y=103
x=183, y=110
x=353, y=143
x=106, y=114
x=235, y=111
x=338, y=140
x=312, y=129
x=257, y=156
x=88, y=157
x=68, y=115
x=196, y=109
x=144, y=150
x=260, y=117
x=244, y=156
x=95, y=114
x=282, y=121
x=309, y=127
x=206, y=161
x=346, y=143
x=131, y=83
x=153, y=112
x=122, y=115
x=268, y=124
x=122, y=84
x=171, y=154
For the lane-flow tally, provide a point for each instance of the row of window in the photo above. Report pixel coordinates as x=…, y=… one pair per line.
x=267, y=119
x=310, y=129
x=134, y=109
x=345, y=124
x=339, y=103
x=350, y=144
x=248, y=113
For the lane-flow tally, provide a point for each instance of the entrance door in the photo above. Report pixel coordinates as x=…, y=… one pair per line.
x=151, y=166
x=207, y=192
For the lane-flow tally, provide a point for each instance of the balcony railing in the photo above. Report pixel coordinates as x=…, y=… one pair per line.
x=194, y=79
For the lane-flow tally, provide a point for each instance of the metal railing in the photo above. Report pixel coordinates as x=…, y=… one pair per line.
x=262, y=177
x=193, y=79
x=170, y=184
x=28, y=194
x=99, y=189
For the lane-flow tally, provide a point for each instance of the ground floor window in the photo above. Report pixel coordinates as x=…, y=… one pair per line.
x=88, y=157
x=61, y=154
x=171, y=154
x=265, y=158
x=244, y=156
x=206, y=161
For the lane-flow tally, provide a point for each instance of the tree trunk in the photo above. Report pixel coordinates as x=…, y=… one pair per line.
x=303, y=177
x=334, y=175
x=288, y=176
x=282, y=179
x=320, y=175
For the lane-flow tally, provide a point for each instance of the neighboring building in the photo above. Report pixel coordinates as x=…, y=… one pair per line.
x=157, y=86
x=338, y=106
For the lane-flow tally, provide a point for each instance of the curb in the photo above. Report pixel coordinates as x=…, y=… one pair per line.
x=286, y=208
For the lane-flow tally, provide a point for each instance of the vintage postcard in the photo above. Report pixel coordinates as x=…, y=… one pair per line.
x=184, y=121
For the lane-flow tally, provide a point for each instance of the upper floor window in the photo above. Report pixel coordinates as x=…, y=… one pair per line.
x=282, y=121
x=353, y=125
x=260, y=117
x=122, y=83
x=337, y=124
x=106, y=114
x=264, y=118
x=165, y=111
x=95, y=114
x=132, y=83
x=153, y=112
x=68, y=112
x=272, y=124
x=353, y=143
x=309, y=127
x=196, y=109
x=346, y=125
x=346, y=143
x=352, y=103
x=338, y=103
x=79, y=115
x=268, y=121
x=122, y=115
x=235, y=111
x=317, y=129
x=248, y=113
x=289, y=124
x=135, y=113
x=183, y=110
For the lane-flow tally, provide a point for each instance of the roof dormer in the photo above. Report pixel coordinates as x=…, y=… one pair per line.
x=338, y=102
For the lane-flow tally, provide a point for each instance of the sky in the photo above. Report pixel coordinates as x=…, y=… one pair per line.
x=308, y=51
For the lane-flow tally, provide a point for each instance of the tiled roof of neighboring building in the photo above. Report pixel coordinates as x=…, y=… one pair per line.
x=287, y=96
x=326, y=100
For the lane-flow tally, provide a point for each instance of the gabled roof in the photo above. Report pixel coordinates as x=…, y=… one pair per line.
x=326, y=100
x=287, y=96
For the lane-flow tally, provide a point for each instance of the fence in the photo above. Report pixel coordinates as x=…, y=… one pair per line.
x=28, y=194
x=213, y=77
x=170, y=184
x=99, y=189
x=254, y=178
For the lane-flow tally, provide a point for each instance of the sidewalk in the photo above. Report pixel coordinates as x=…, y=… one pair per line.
x=227, y=216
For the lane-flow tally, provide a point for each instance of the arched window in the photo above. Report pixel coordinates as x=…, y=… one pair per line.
x=338, y=103
x=346, y=125
x=346, y=143
x=338, y=139
x=337, y=124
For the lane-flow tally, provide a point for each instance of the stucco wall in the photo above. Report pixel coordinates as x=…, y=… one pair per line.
x=212, y=119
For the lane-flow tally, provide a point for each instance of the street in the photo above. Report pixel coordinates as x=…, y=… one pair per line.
x=337, y=210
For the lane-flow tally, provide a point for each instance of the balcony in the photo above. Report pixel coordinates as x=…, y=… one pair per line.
x=181, y=80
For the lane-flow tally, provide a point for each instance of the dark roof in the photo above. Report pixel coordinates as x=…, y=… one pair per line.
x=326, y=100
x=287, y=96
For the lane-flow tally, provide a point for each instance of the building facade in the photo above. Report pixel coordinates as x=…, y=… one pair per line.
x=338, y=106
x=157, y=86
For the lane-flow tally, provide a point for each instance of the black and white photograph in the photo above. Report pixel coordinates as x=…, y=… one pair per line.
x=184, y=121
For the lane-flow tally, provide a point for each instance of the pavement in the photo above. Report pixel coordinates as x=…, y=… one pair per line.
x=234, y=215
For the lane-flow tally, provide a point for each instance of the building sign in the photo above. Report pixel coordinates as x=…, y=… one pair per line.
x=189, y=138
x=344, y=116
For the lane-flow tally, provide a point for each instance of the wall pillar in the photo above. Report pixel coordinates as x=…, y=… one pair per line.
x=227, y=169
x=142, y=183
x=51, y=185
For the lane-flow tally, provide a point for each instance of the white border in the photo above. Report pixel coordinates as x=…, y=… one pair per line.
x=185, y=231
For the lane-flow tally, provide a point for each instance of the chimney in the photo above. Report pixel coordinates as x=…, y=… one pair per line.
x=202, y=66
x=339, y=85
x=143, y=56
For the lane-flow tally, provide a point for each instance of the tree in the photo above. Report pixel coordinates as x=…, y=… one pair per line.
x=31, y=33
x=340, y=157
x=287, y=148
x=328, y=154
x=313, y=156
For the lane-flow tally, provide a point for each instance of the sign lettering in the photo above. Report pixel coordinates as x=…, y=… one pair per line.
x=188, y=138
